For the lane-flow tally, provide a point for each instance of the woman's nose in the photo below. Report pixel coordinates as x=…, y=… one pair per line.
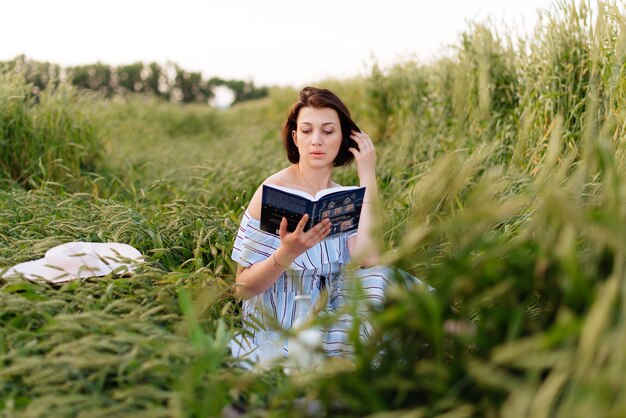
x=317, y=138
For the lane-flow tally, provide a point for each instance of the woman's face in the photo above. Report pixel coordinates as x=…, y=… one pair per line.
x=317, y=135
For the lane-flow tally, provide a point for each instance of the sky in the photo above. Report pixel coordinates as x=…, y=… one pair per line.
x=268, y=42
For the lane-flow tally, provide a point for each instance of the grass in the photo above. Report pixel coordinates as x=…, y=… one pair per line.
x=47, y=138
x=501, y=170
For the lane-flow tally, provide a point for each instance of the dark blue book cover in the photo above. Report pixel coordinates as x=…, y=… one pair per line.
x=341, y=204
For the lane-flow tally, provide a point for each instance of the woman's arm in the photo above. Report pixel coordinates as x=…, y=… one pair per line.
x=364, y=248
x=260, y=276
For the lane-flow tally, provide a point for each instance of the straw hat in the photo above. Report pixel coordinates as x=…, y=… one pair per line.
x=76, y=260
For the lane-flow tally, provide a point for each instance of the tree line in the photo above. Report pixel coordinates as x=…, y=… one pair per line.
x=169, y=82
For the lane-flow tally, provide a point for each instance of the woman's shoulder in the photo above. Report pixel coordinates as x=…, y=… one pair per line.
x=284, y=177
x=280, y=178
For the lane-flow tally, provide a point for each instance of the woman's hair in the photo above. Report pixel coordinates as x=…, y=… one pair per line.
x=318, y=99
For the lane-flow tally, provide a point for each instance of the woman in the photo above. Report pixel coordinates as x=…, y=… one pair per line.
x=319, y=134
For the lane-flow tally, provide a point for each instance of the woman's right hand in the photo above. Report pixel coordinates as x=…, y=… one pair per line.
x=292, y=244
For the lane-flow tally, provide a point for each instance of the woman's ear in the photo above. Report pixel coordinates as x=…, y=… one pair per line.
x=294, y=137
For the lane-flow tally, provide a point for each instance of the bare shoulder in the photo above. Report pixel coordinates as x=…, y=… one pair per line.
x=254, y=207
x=284, y=177
x=281, y=178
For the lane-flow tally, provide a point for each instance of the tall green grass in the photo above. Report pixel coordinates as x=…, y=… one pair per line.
x=514, y=217
x=46, y=138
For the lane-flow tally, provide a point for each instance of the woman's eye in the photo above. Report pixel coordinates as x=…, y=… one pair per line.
x=328, y=132
x=305, y=131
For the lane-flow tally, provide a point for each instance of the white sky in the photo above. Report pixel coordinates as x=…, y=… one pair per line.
x=266, y=41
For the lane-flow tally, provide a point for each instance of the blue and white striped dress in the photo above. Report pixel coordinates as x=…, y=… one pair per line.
x=319, y=267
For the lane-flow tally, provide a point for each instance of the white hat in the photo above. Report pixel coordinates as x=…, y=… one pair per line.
x=75, y=260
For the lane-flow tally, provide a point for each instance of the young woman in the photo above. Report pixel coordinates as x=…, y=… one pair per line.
x=319, y=134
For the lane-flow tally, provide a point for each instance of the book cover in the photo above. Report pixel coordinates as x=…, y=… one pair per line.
x=341, y=204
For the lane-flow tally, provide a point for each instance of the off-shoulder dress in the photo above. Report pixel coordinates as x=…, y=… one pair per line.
x=319, y=271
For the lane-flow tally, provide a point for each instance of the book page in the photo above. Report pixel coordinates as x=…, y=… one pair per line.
x=332, y=190
x=291, y=191
x=317, y=196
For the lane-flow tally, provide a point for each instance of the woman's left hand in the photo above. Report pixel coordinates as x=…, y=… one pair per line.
x=365, y=156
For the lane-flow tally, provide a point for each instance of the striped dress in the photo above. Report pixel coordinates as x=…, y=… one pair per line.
x=317, y=272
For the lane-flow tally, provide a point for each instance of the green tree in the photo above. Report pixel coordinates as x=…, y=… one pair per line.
x=155, y=81
x=245, y=90
x=190, y=87
x=39, y=74
x=98, y=77
x=129, y=78
x=169, y=82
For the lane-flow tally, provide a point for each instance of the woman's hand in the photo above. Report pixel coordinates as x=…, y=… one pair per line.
x=365, y=156
x=364, y=247
x=257, y=278
x=292, y=244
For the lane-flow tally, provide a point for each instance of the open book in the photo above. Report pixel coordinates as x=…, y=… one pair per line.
x=341, y=204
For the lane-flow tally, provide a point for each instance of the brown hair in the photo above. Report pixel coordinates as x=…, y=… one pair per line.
x=318, y=99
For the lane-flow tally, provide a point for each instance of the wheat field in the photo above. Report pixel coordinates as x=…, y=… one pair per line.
x=501, y=169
